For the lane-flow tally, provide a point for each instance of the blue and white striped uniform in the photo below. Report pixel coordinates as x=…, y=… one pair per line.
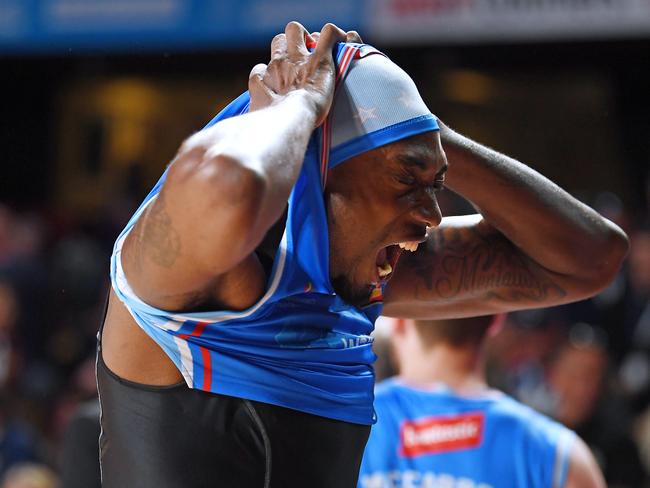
x=300, y=346
x=435, y=438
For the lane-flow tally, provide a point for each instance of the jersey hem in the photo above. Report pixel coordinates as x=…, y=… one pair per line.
x=251, y=391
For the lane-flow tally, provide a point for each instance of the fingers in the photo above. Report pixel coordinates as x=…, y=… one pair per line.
x=350, y=36
x=260, y=93
x=278, y=46
x=312, y=40
x=353, y=36
x=258, y=71
x=295, y=34
x=329, y=35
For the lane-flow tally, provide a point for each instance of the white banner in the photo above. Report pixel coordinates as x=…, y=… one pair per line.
x=417, y=21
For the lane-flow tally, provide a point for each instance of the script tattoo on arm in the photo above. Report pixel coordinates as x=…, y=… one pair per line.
x=470, y=263
x=156, y=237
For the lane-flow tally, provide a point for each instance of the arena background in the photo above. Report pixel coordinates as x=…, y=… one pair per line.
x=98, y=94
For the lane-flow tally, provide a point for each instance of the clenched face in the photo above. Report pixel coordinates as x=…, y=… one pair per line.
x=379, y=204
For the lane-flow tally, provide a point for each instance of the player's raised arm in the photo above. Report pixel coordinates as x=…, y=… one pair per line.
x=533, y=244
x=229, y=184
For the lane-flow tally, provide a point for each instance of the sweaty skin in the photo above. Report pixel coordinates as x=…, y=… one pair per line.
x=525, y=249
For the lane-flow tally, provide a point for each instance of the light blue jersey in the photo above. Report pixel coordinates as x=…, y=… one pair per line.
x=300, y=346
x=435, y=438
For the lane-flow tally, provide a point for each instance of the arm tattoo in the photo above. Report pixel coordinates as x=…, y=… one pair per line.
x=486, y=265
x=157, y=238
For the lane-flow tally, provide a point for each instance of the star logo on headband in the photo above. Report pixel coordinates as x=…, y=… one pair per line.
x=406, y=100
x=364, y=114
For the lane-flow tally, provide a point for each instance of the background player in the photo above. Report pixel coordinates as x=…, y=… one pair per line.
x=439, y=424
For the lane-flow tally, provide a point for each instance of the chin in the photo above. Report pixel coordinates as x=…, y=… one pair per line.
x=351, y=293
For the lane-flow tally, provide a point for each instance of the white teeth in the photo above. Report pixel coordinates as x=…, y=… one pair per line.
x=409, y=245
x=384, y=270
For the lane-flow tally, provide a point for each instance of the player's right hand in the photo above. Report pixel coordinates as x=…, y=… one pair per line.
x=294, y=69
x=350, y=36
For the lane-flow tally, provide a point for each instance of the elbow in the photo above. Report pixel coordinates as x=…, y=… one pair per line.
x=207, y=162
x=604, y=258
x=235, y=191
x=218, y=184
x=234, y=184
x=215, y=176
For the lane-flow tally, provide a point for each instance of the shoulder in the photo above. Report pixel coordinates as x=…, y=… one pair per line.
x=547, y=446
x=583, y=470
x=529, y=421
x=574, y=465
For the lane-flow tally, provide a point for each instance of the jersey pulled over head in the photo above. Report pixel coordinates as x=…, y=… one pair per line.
x=301, y=346
x=376, y=103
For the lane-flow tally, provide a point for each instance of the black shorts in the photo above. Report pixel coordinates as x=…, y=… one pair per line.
x=177, y=437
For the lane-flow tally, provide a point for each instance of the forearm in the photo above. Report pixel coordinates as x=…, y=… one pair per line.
x=542, y=220
x=269, y=144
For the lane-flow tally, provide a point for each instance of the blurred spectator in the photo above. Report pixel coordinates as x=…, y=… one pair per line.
x=586, y=402
x=18, y=442
x=10, y=356
x=6, y=224
x=23, y=265
x=30, y=475
x=78, y=417
x=635, y=368
x=642, y=436
x=576, y=375
x=517, y=356
x=80, y=449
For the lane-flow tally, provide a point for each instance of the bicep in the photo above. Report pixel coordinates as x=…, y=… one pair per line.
x=196, y=229
x=467, y=267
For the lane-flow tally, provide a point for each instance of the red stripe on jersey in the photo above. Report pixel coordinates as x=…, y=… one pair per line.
x=348, y=55
x=325, y=150
x=207, y=369
x=198, y=330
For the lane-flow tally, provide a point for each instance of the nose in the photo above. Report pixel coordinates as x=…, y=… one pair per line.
x=427, y=211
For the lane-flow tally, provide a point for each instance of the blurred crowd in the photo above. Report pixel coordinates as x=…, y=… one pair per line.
x=585, y=364
x=53, y=284
x=588, y=365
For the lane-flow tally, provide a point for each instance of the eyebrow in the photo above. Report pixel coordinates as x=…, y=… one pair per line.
x=411, y=160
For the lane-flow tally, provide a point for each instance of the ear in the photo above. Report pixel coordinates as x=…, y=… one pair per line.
x=389, y=326
x=399, y=327
x=498, y=322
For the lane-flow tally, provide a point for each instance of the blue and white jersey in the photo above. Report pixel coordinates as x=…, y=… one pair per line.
x=300, y=346
x=435, y=438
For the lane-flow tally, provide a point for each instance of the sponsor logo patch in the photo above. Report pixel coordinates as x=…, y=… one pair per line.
x=432, y=435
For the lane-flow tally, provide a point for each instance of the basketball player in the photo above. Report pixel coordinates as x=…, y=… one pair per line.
x=440, y=425
x=236, y=347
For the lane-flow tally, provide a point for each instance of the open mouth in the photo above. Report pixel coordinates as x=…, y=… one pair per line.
x=388, y=256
